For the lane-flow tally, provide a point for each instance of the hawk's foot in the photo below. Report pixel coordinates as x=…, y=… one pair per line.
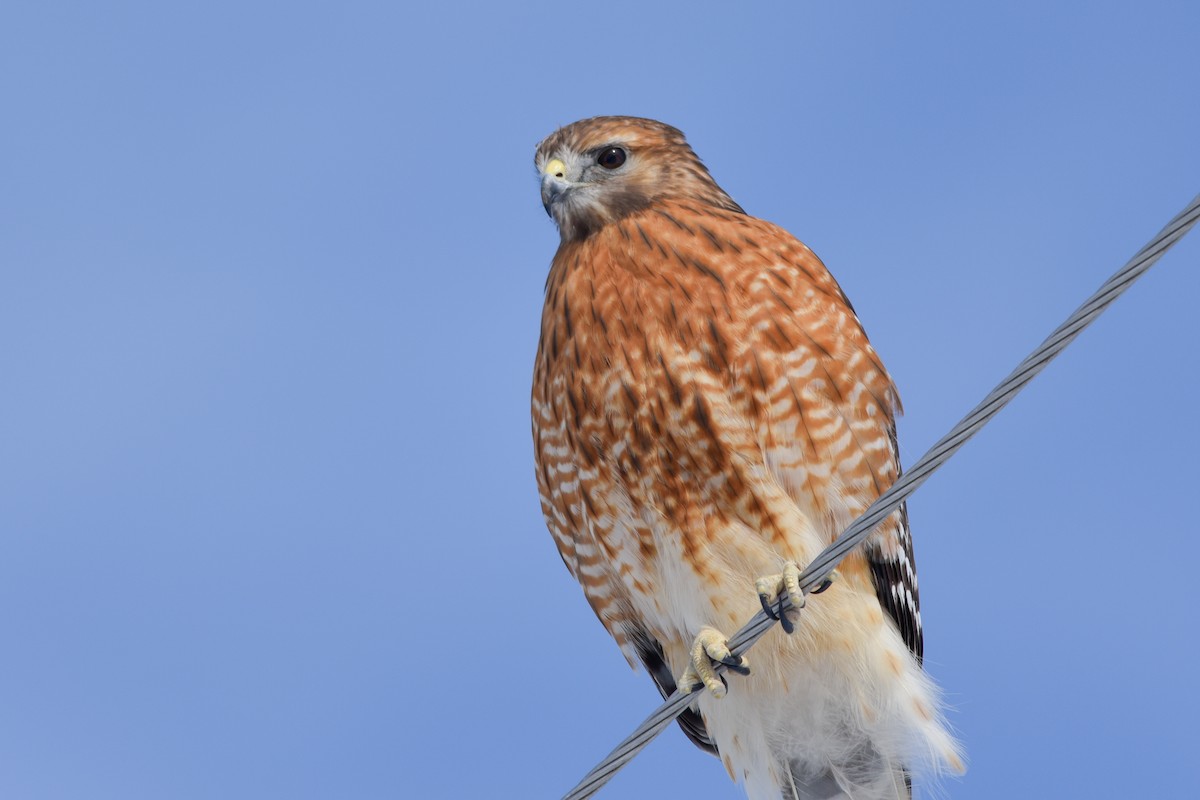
x=772, y=588
x=710, y=645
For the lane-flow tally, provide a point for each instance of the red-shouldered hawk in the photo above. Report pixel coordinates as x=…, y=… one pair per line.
x=707, y=416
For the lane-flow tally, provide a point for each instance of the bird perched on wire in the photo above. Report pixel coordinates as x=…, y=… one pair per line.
x=707, y=416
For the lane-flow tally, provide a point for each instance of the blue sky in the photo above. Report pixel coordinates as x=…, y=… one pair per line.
x=270, y=278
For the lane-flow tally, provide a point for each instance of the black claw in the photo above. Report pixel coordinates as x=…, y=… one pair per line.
x=825, y=584
x=724, y=682
x=766, y=604
x=737, y=664
x=784, y=622
x=779, y=616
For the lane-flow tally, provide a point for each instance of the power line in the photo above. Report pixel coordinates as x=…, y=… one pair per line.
x=905, y=485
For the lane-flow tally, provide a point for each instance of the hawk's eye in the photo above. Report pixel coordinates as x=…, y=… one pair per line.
x=611, y=157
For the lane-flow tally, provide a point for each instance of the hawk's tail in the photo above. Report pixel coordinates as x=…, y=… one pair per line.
x=875, y=781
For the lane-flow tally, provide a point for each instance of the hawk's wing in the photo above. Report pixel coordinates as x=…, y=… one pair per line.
x=895, y=577
x=652, y=657
x=840, y=419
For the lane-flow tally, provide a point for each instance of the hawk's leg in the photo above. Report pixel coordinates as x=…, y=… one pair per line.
x=710, y=646
x=772, y=588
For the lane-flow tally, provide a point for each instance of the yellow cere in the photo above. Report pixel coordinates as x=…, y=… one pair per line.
x=556, y=168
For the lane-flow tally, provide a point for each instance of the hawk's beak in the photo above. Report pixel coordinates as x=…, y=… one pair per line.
x=554, y=183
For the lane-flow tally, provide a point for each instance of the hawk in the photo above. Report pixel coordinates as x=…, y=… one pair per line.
x=707, y=416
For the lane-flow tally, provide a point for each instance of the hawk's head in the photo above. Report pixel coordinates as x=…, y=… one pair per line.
x=602, y=169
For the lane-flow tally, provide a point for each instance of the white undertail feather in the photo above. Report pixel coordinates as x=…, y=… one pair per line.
x=805, y=741
x=838, y=709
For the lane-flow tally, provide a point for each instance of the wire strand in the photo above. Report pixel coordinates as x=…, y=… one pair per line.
x=906, y=484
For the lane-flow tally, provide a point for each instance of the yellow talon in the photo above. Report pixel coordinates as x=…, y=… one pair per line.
x=710, y=645
x=769, y=587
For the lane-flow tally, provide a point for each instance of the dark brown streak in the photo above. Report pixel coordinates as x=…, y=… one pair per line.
x=783, y=301
x=574, y=403
x=674, y=221
x=762, y=379
x=598, y=318
x=712, y=238
x=832, y=291
x=886, y=408
x=778, y=276
x=801, y=264
x=644, y=442
x=629, y=394
x=837, y=389
x=700, y=267
x=645, y=238
x=826, y=284
x=620, y=295
x=683, y=290
x=815, y=344
x=765, y=516
x=676, y=394
x=700, y=413
x=634, y=461
x=709, y=271
x=655, y=424
x=587, y=497
x=718, y=344
x=787, y=343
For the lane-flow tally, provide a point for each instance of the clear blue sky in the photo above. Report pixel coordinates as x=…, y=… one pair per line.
x=270, y=278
